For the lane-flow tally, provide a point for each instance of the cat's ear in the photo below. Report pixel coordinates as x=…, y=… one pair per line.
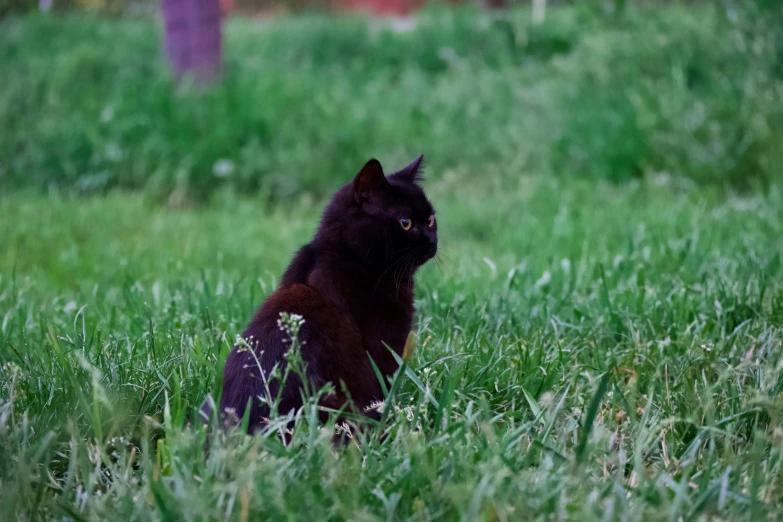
x=369, y=180
x=411, y=173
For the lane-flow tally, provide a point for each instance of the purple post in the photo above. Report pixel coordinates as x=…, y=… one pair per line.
x=193, y=37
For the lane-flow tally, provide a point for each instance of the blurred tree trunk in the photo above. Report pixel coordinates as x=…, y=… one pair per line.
x=193, y=38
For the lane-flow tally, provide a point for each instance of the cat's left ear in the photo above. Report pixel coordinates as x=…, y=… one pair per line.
x=411, y=173
x=368, y=181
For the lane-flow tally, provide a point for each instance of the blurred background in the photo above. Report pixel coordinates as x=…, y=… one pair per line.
x=298, y=93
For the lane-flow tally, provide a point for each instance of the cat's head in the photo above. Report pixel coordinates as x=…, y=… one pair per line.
x=386, y=220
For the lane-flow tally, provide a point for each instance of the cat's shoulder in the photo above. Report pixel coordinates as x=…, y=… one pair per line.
x=300, y=267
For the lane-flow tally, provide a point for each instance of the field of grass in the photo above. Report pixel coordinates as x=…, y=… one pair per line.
x=587, y=351
x=602, y=341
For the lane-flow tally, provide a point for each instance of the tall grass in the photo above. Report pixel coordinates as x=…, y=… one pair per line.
x=588, y=352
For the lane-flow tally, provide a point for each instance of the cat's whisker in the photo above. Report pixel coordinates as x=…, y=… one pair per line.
x=444, y=249
x=411, y=265
x=384, y=273
x=439, y=263
x=405, y=261
x=444, y=256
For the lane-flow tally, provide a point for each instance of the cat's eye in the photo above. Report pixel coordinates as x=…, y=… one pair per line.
x=405, y=223
x=431, y=222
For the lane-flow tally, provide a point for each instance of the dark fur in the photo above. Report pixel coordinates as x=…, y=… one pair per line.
x=353, y=284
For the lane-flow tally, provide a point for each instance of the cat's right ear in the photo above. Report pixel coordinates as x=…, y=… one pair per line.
x=369, y=180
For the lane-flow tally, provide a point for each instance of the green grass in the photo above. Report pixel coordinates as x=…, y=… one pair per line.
x=589, y=351
x=693, y=91
x=603, y=341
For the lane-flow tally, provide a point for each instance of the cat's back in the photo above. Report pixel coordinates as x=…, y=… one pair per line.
x=301, y=299
x=331, y=341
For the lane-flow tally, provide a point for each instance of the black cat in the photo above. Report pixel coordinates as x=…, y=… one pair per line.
x=353, y=286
